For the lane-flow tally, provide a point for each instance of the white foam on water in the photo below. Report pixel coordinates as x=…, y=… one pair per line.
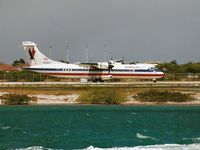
x=140, y=136
x=194, y=139
x=148, y=147
x=133, y=113
x=87, y=114
x=152, y=147
x=5, y=128
x=36, y=148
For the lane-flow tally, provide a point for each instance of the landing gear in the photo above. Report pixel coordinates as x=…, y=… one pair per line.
x=100, y=80
x=97, y=80
x=154, y=80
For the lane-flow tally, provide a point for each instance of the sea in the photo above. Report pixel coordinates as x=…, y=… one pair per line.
x=99, y=127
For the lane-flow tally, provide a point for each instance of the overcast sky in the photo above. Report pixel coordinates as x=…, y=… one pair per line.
x=138, y=30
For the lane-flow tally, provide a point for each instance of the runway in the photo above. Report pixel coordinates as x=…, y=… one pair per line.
x=103, y=84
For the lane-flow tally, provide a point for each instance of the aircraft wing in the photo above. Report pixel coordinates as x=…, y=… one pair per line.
x=89, y=64
x=96, y=65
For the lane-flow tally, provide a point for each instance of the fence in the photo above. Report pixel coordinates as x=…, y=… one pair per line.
x=25, y=77
x=36, y=77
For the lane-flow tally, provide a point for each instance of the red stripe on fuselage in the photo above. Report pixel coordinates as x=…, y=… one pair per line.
x=103, y=74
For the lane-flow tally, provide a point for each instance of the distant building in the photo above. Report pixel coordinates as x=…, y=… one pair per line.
x=6, y=67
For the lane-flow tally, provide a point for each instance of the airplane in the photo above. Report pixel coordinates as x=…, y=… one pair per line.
x=98, y=71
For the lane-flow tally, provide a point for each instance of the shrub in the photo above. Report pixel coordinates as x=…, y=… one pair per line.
x=16, y=99
x=163, y=96
x=101, y=96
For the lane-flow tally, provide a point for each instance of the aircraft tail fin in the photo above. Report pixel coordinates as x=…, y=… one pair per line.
x=34, y=56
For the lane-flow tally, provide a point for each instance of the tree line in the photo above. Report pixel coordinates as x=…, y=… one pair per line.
x=174, y=67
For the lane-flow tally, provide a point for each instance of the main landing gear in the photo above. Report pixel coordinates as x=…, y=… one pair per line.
x=97, y=80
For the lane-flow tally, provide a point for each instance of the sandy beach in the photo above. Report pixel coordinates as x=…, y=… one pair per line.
x=71, y=98
x=49, y=99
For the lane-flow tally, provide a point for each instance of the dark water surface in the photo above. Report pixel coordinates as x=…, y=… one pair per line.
x=80, y=127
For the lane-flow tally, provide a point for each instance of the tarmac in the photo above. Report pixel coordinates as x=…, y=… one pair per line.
x=103, y=84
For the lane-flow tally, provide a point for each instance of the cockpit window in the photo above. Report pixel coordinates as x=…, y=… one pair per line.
x=153, y=68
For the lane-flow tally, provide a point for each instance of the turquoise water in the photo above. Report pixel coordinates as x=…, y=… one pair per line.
x=95, y=127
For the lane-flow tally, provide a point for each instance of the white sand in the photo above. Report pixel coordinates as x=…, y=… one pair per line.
x=52, y=99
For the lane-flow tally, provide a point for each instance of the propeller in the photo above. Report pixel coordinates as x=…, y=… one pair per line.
x=110, y=66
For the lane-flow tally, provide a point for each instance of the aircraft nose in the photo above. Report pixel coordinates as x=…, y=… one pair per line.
x=162, y=74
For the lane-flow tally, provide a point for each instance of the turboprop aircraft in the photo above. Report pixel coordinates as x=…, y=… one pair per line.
x=98, y=71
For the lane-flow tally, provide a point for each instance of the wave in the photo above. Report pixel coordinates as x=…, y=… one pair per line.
x=148, y=147
x=194, y=139
x=140, y=136
x=129, y=121
x=5, y=128
x=133, y=113
x=87, y=114
x=152, y=147
x=36, y=148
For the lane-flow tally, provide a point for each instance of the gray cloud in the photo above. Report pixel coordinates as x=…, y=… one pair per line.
x=139, y=30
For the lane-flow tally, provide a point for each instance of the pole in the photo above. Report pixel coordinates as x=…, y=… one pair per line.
x=50, y=48
x=67, y=49
x=86, y=54
x=105, y=54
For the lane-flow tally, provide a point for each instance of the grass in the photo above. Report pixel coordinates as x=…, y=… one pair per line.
x=153, y=95
x=102, y=96
x=40, y=90
x=16, y=99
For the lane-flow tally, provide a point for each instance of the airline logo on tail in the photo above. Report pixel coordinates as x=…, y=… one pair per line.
x=31, y=53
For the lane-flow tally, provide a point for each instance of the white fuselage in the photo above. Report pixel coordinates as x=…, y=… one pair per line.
x=96, y=71
x=139, y=71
